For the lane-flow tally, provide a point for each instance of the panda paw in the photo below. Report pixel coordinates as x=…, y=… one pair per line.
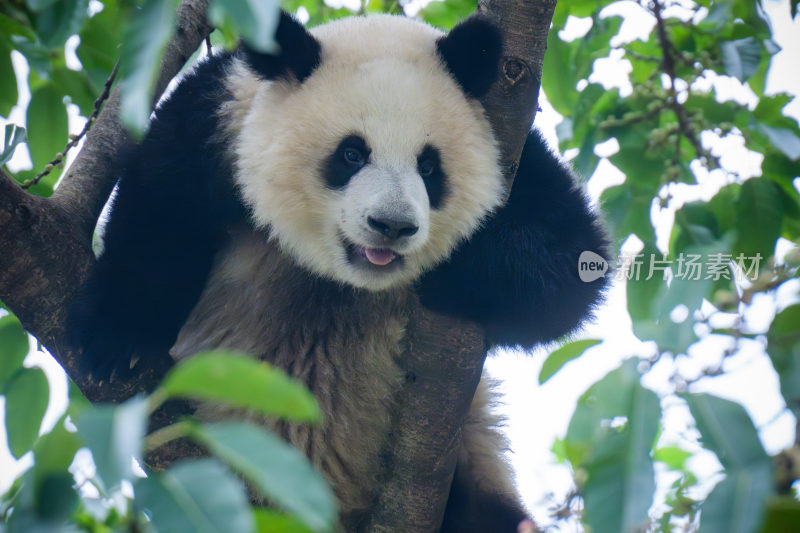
x=112, y=343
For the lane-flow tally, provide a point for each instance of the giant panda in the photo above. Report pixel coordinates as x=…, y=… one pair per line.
x=292, y=206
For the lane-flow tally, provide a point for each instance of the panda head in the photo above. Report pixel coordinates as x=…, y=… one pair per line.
x=362, y=148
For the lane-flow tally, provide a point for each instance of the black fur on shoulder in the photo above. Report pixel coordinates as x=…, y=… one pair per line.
x=471, y=509
x=518, y=275
x=173, y=205
x=472, y=52
x=299, y=52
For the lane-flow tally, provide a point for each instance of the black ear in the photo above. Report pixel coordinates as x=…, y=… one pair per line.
x=299, y=52
x=472, y=52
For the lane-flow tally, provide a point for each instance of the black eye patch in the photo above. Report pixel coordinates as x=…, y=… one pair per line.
x=349, y=157
x=429, y=167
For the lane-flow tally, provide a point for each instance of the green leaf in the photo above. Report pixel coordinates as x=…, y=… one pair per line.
x=568, y=62
x=13, y=136
x=200, y=496
x=98, y=50
x=13, y=347
x=715, y=112
x=610, y=437
x=741, y=57
x=47, y=126
x=780, y=170
x=650, y=53
x=33, y=514
x=27, y=394
x=563, y=355
x=651, y=302
x=77, y=402
x=447, y=14
x=55, y=23
x=242, y=381
x=727, y=431
x=143, y=45
x=559, y=450
x=8, y=81
x=576, y=8
x=54, y=497
x=628, y=212
x=12, y=28
x=783, y=515
x=279, y=472
x=643, y=293
x=38, y=58
x=115, y=435
x=783, y=347
x=737, y=503
x=720, y=13
x=783, y=139
x=770, y=110
x=559, y=87
x=77, y=87
x=255, y=21
x=268, y=521
x=54, y=452
x=759, y=217
x=38, y=5
x=672, y=456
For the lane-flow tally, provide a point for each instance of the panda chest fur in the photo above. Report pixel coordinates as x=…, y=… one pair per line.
x=342, y=343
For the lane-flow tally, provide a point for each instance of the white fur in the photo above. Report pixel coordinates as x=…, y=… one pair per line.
x=381, y=78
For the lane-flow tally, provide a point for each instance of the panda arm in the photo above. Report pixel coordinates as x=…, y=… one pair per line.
x=518, y=274
x=167, y=220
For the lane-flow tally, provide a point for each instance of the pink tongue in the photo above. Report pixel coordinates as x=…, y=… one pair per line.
x=379, y=256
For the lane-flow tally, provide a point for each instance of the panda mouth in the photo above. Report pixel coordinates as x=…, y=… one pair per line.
x=382, y=259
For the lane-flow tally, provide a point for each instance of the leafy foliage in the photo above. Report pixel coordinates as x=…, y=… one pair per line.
x=241, y=381
x=608, y=442
x=565, y=354
x=737, y=503
x=182, y=498
x=718, y=258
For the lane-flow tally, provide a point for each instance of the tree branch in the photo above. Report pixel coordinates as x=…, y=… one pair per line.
x=49, y=239
x=443, y=363
x=513, y=101
x=83, y=191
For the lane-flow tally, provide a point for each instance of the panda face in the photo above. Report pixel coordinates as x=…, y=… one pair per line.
x=376, y=166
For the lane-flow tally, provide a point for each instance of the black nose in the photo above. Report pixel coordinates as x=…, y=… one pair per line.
x=393, y=229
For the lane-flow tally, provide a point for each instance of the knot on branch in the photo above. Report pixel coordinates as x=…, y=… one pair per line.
x=24, y=213
x=514, y=70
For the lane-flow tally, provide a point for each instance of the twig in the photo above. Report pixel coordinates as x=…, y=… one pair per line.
x=75, y=139
x=567, y=509
x=160, y=437
x=668, y=66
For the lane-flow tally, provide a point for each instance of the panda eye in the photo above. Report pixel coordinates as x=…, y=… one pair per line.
x=426, y=168
x=349, y=157
x=353, y=156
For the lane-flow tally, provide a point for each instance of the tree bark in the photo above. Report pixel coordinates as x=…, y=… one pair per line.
x=47, y=242
x=445, y=357
x=46, y=254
